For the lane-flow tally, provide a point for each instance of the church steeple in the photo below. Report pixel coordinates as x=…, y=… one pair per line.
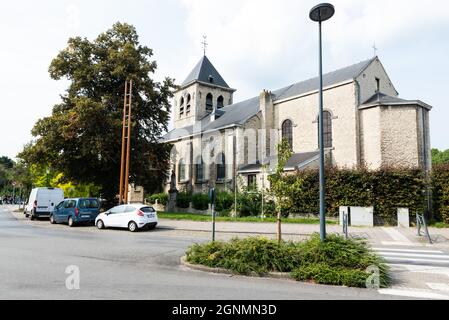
x=202, y=92
x=205, y=72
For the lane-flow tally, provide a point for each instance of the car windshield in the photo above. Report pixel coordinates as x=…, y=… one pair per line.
x=147, y=209
x=89, y=204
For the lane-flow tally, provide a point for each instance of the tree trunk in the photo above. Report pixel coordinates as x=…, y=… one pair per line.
x=279, y=231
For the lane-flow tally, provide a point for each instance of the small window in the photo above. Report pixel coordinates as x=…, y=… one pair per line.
x=199, y=170
x=181, y=107
x=252, y=182
x=220, y=102
x=221, y=167
x=89, y=204
x=182, y=170
x=209, y=102
x=116, y=210
x=327, y=130
x=377, y=85
x=189, y=98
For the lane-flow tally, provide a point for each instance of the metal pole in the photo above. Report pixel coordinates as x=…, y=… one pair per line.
x=122, y=163
x=321, y=141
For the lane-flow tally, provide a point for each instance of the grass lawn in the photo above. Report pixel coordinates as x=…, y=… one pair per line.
x=439, y=225
x=203, y=218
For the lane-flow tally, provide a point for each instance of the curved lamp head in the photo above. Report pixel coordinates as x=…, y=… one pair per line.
x=322, y=12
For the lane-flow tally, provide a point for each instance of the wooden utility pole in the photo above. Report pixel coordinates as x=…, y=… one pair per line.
x=126, y=143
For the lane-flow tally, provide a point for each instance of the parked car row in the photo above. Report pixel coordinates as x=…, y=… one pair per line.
x=50, y=202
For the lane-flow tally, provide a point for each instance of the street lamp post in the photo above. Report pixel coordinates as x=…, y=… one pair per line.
x=320, y=13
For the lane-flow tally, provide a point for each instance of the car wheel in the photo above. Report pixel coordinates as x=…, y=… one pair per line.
x=100, y=224
x=71, y=223
x=52, y=219
x=132, y=226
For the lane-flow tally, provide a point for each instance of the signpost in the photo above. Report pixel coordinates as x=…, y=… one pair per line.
x=212, y=201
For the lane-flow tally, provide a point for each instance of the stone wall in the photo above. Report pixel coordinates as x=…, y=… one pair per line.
x=303, y=112
x=399, y=136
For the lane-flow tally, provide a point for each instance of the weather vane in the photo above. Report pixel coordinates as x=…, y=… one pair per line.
x=205, y=44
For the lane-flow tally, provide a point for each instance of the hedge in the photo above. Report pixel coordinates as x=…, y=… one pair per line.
x=440, y=184
x=200, y=201
x=386, y=190
x=183, y=200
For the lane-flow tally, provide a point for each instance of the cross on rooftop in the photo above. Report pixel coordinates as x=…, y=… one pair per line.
x=205, y=44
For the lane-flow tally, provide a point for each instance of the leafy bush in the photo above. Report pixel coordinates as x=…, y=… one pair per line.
x=183, y=200
x=162, y=198
x=249, y=203
x=200, y=201
x=246, y=256
x=224, y=201
x=337, y=261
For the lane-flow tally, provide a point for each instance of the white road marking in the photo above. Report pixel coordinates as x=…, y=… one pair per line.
x=423, y=269
x=438, y=286
x=396, y=235
x=418, y=260
x=412, y=255
x=414, y=293
x=407, y=250
x=404, y=244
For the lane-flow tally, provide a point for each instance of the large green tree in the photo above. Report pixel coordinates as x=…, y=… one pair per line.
x=82, y=137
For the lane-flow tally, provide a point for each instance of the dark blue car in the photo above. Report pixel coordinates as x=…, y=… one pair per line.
x=76, y=211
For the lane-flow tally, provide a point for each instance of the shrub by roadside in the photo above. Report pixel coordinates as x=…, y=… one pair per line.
x=335, y=262
x=162, y=198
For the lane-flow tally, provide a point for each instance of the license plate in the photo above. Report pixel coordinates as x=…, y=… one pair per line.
x=150, y=216
x=85, y=216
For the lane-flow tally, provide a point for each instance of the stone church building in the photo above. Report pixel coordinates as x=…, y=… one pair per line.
x=217, y=142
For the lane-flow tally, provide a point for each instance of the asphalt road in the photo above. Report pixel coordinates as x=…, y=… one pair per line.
x=117, y=264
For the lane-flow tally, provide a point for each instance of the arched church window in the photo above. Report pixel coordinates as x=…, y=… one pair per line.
x=181, y=107
x=287, y=132
x=189, y=98
x=220, y=102
x=182, y=170
x=199, y=169
x=221, y=167
x=209, y=102
x=327, y=130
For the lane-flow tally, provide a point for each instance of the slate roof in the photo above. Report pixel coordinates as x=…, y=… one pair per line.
x=239, y=113
x=331, y=78
x=202, y=71
x=297, y=161
x=380, y=99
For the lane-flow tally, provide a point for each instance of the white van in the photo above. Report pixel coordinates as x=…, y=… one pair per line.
x=43, y=201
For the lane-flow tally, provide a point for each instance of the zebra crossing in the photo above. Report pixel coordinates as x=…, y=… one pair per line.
x=414, y=257
x=425, y=272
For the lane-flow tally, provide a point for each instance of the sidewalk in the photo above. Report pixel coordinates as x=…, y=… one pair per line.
x=377, y=235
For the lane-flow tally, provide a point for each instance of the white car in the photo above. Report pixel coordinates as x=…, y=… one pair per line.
x=130, y=216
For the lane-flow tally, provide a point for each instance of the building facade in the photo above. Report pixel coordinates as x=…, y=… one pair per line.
x=218, y=143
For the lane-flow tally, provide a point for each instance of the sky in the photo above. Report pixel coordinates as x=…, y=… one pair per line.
x=254, y=44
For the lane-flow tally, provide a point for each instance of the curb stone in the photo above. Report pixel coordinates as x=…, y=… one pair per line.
x=271, y=275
